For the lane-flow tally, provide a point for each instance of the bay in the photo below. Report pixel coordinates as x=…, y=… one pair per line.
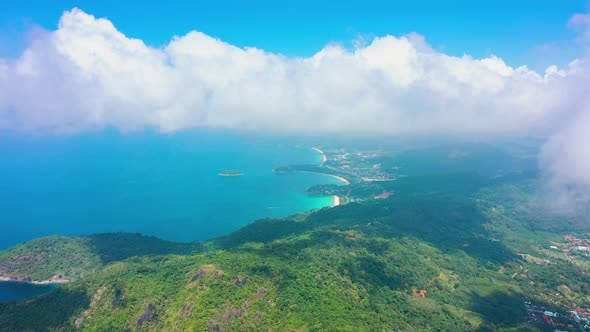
x=20, y=291
x=165, y=185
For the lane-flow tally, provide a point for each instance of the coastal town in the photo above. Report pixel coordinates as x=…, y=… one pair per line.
x=361, y=172
x=358, y=166
x=574, y=248
x=560, y=312
x=570, y=318
x=369, y=179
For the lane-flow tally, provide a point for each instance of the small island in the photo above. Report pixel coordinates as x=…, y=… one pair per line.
x=230, y=173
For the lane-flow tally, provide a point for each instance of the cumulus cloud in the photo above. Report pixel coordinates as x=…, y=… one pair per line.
x=565, y=161
x=565, y=157
x=87, y=75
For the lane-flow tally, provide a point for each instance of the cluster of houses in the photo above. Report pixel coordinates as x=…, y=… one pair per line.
x=574, y=247
x=575, y=244
x=581, y=315
x=358, y=165
x=571, y=319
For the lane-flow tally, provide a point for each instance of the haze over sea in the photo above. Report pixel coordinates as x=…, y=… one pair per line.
x=152, y=183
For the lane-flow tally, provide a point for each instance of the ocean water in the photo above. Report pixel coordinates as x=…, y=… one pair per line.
x=156, y=184
x=18, y=291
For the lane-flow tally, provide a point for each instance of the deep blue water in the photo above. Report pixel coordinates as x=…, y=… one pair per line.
x=156, y=184
x=17, y=291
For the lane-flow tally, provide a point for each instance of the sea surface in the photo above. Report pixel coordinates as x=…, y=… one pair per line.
x=166, y=185
x=20, y=291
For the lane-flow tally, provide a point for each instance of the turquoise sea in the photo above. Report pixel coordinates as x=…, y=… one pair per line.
x=166, y=185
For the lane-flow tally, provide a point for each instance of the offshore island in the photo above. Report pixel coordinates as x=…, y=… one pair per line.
x=230, y=173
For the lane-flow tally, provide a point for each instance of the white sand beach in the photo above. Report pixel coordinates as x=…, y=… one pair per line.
x=324, y=157
x=336, y=200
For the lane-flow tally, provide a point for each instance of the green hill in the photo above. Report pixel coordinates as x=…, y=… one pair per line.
x=424, y=259
x=72, y=257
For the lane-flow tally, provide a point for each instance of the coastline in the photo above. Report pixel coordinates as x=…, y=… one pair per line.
x=336, y=200
x=346, y=182
x=33, y=282
x=324, y=157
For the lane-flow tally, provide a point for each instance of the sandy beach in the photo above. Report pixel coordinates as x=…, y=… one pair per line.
x=324, y=157
x=339, y=178
x=336, y=200
x=32, y=282
x=346, y=182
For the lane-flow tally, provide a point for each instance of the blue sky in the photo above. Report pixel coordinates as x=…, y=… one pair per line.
x=521, y=32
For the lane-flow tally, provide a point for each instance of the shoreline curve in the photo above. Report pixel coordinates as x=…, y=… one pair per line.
x=34, y=282
x=324, y=157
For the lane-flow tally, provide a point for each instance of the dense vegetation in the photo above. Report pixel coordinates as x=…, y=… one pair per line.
x=72, y=257
x=440, y=254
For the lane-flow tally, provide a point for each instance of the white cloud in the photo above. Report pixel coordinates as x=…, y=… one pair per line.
x=87, y=74
x=565, y=161
x=565, y=157
x=581, y=24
